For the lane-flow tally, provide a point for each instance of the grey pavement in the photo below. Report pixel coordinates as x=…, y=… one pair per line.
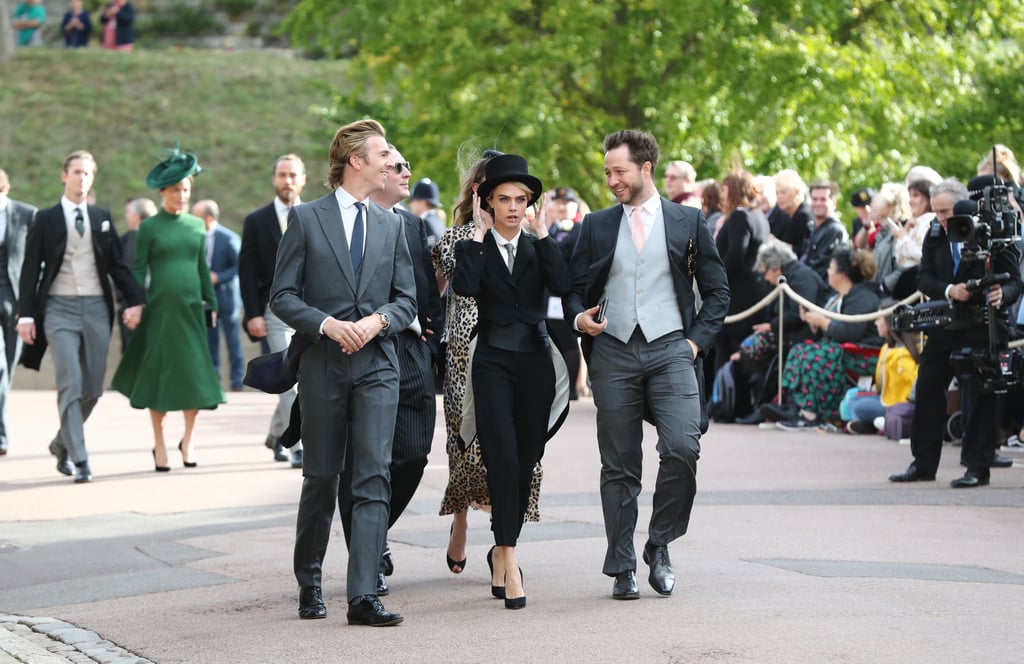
x=799, y=550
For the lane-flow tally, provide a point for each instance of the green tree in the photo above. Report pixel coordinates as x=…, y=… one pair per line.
x=854, y=91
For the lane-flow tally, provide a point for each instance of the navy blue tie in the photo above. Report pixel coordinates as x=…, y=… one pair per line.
x=355, y=248
x=956, y=256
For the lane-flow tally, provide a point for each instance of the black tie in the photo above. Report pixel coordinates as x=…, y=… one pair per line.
x=79, y=222
x=355, y=248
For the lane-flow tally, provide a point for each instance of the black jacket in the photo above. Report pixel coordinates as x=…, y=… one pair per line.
x=44, y=254
x=512, y=307
x=824, y=240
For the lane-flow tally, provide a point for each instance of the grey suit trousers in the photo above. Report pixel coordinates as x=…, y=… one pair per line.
x=78, y=332
x=626, y=379
x=347, y=401
x=11, y=347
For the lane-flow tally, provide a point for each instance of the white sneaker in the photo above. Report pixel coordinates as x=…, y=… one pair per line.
x=1013, y=444
x=879, y=423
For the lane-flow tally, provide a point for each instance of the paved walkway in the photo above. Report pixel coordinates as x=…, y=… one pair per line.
x=799, y=551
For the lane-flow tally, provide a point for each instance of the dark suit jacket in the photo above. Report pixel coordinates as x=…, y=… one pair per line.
x=19, y=219
x=823, y=241
x=428, y=299
x=937, y=273
x=225, y=264
x=687, y=236
x=261, y=233
x=44, y=253
x=512, y=307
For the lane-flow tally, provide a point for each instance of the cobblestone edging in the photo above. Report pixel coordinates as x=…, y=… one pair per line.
x=33, y=640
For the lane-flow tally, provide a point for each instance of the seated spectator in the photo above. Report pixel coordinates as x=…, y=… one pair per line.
x=895, y=374
x=890, y=212
x=76, y=26
x=791, y=219
x=775, y=259
x=815, y=372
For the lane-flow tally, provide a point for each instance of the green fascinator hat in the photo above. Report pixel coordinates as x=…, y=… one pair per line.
x=175, y=167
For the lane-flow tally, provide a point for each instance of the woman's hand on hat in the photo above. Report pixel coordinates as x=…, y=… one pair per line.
x=482, y=220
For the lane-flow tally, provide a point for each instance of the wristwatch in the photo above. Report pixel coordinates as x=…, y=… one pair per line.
x=385, y=322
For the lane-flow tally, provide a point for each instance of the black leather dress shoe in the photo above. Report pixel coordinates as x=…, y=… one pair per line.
x=968, y=481
x=64, y=465
x=1001, y=462
x=754, y=418
x=911, y=474
x=280, y=453
x=387, y=563
x=311, y=603
x=297, y=458
x=625, y=586
x=382, y=585
x=367, y=610
x=82, y=473
x=779, y=413
x=662, y=577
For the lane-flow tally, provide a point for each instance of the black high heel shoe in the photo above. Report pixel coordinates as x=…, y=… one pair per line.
x=518, y=602
x=452, y=564
x=159, y=469
x=188, y=464
x=497, y=591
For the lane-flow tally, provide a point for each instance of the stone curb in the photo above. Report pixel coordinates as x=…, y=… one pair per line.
x=35, y=640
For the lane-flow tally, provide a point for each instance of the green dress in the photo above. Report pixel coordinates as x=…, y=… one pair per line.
x=167, y=365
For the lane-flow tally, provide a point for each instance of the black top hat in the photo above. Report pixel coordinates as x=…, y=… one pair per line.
x=509, y=168
x=862, y=197
x=426, y=190
x=173, y=169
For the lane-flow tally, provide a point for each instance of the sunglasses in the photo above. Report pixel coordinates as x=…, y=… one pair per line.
x=399, y=165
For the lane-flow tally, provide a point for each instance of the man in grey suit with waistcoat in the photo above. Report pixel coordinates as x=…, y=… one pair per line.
x=344, y=280
x=66, y=303
x=644, y=256
x=15, y=219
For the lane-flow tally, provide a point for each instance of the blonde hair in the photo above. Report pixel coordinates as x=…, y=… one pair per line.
x=350, y=141
x=897, y=198
x=79, y=154
x=1006, y=167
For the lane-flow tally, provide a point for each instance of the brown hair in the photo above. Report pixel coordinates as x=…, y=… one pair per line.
x=463, y=213
x=643, y=147
x=290, y=157
x=742, y=192
x=350, y=141
x=79, y=154
x=711, y=197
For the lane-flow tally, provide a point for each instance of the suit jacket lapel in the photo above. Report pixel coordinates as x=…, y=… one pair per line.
x=524, y=254
x=373, y=248
x=677, y=232
x=329, y=215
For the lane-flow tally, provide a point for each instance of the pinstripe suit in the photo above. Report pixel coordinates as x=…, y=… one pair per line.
x=417, y=409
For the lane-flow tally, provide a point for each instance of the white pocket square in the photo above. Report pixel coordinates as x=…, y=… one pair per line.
x=105, y=226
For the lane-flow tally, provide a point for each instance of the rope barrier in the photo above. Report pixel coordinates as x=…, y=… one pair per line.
x=811, y=306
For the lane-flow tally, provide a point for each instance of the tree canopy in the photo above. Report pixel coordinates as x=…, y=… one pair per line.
x=852, y=91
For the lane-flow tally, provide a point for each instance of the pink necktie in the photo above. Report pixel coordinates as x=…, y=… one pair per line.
x=637, y=230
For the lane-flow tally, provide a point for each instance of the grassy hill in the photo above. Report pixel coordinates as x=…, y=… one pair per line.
x=236, y=111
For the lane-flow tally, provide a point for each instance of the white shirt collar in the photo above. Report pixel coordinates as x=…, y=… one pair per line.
x=282, y=207
x=69, y=207
x=651, y=205
x=502, y=241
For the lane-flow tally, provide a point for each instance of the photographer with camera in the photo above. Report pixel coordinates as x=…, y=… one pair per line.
x=954, y=267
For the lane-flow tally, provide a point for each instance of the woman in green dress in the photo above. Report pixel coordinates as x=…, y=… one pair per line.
x=167, y=365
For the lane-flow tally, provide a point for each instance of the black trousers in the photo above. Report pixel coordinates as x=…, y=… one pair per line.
x=512, y=392
x=978, y=416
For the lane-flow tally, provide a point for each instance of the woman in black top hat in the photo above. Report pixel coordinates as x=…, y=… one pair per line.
x=506, y=270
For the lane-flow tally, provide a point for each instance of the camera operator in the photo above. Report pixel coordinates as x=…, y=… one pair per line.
x=944, y=274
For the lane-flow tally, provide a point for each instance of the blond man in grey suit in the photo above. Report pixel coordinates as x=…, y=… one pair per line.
x=344, y=280
x=15, y=219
